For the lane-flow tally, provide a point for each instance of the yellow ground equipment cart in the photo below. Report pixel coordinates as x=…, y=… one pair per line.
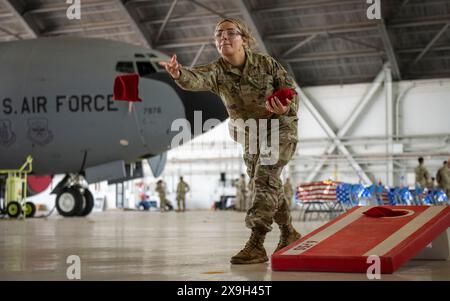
x=14, y=202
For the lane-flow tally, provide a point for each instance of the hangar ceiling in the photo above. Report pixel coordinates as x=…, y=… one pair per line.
x=320, y=41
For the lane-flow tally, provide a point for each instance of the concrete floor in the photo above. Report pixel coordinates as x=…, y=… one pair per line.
x=118, y=245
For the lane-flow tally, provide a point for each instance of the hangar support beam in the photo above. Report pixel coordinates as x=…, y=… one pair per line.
x=133, y=20
x=26, y=21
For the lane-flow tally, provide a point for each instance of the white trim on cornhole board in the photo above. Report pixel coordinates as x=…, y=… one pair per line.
x=404, y=232
x=325, y=233
x=385, y=246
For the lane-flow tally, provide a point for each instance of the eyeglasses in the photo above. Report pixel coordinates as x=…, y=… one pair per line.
x=231, y=34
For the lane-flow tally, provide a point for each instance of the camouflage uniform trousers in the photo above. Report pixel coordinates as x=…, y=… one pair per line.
x=446, y=190
x=163, y=201
x=249, y=195
x=238, y=204
x=289, y=196
x=181, y=201
x=243, y=200
x=268, y=199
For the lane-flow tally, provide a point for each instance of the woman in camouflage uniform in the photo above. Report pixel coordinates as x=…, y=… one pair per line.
x=243, y=79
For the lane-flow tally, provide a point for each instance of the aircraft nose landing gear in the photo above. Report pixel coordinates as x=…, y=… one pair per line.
x=72, y=198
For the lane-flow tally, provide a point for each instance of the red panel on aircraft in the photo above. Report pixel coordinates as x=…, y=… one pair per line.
x=344, y=244
x=126, y=87
x=38, y=184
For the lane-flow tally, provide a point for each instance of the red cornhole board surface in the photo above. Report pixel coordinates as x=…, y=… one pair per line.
x=344, y=244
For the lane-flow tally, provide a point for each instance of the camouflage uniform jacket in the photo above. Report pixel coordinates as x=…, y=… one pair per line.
x=288, y=190
x=182, y=188
x=241, y=185
x=443, y=177
x=161, y=189
x=422, y=175
x=244, y=92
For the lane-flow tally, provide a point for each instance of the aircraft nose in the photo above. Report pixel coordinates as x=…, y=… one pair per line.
x=210, y=105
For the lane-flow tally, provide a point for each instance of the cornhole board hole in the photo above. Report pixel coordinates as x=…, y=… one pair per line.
x=345, y=244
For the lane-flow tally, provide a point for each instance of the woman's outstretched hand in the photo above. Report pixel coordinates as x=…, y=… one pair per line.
x=172, y=67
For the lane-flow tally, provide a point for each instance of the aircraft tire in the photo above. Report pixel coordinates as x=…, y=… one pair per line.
x=88, y=203
x=69, y=202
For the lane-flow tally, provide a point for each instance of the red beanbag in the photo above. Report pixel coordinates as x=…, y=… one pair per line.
x=283, y=95
x=384, y=212
x=126, y=87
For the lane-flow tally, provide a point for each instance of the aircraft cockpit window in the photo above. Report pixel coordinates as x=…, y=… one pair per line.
x=125, y=67
x=139, y=55
x=145, y=68
x=158, y=66
x=151, y=55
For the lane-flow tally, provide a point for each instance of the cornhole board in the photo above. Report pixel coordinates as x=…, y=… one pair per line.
x=345, y=244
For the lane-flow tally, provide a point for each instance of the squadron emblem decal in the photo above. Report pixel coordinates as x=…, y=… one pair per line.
x=38, y=131
x=7, y=136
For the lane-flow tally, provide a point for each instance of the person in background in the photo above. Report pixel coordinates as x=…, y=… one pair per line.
x=161, y=190
x=241, y=193
x=422, y=174
x=182, y=189
x=443, y=178
x=288, y=191
x=432, y=184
